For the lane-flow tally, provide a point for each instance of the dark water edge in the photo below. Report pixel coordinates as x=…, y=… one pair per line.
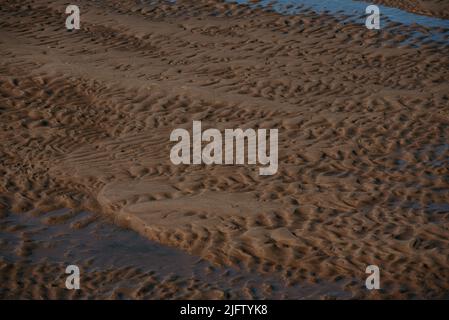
x=419, y=29
x=65, y=238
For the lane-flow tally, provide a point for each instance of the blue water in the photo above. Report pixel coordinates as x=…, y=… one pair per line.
x=354, y=11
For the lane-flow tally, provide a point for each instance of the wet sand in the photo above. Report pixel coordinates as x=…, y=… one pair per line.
x=116, y=263
x=433, y=8
x=363, y=149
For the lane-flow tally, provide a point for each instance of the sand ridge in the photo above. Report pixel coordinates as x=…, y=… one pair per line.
x=363, y=130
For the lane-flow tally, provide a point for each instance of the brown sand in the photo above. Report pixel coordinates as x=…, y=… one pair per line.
x=434, y=8
x=119, y=264
x=363, y=137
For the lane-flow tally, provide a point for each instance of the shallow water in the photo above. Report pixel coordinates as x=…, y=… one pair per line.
x=354, y=11
x=353, y=8
x=97, y=244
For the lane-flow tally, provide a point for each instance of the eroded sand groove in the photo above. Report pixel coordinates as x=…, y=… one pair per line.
x=363, y=135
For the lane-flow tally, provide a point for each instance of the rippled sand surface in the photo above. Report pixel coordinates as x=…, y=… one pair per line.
x=85, y=120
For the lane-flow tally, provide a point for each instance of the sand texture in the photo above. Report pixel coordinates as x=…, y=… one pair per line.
x=434, y=8
x=119, y=264
x=86, y=115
